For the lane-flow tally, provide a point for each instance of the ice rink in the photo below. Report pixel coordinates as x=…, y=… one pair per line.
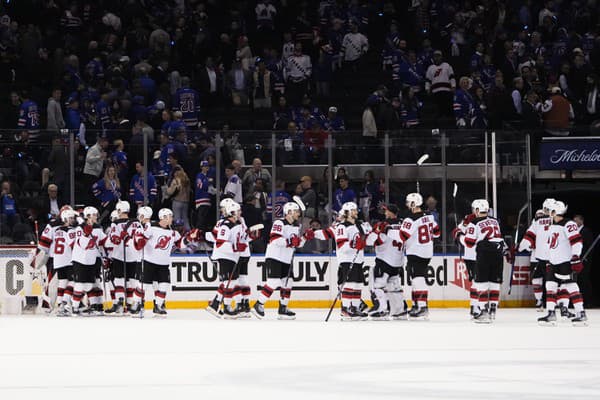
x=192, y=355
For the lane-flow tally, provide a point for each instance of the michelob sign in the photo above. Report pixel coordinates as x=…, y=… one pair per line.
x=570, y=153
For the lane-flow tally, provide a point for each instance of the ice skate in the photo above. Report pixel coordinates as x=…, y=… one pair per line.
x=63, y=310
x=359, y=315
x=493, y=308
x=159, y=311
x=96, y=310
x=258, y=310
x=213, y=308
x=379, y=316
x=245, y=309
x=482, y=317
x=401, y=316
x=347, y=314
x=230, y=312
x=580, y=319
x=549, y=319
x=565, y=314
x=285, y=313
x=539, y=306
x=419, y=314
x=116, y=309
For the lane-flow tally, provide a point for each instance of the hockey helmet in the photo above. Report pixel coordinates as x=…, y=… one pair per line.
x=145, y=212
x=480, y=205
x=558, y=208
x=122, y=207
x=547, y=204
x=289, y=207
x=164, y=213
x=114, y=215
x=66, y=215
x=232, y=209
x=89, y=211
x=414, y=200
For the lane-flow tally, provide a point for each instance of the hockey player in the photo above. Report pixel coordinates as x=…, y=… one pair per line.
x=227, y=250
x=535, y=240
x=469, y=257
x=125, y=257
x=157, y=240
x=242, y=266
x=350, y=243
x=63, y=264
x=284, y=239
x=483, y=234
x=565, y=245
x=417, y=233
x=389, y=258
x=88, y=239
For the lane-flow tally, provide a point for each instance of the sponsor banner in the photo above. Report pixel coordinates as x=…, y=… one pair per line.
x=570, y=154
x=194, y=278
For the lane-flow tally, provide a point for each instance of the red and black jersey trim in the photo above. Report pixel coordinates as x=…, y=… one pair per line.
x=576, y=239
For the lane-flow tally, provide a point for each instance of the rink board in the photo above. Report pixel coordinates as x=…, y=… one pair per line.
x=194, y=280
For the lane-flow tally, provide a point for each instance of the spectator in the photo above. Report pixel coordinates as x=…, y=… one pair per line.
x=262, y=89
x=410, y=110
x=8, y=205
x=592, y=98
x=58, y=164
x=500, y=103
x=54, y=113
x=204, y=195
x=255, y=202
x=94, y=160
x=298, y=70
x=29, y=116
x=323, y=70
x=119, y=160
x=431, y=208
x=440, y=82
x=292, y=149
x=556, y=113
x=210, y=81
x=52, y=203
x=187, y=101
x=369, y=126
x=371, y=197
x=355, y=46
x=244, y=53
x=309, y=197
x=179, y=192
x=333, y=122
x=137, y=189
x=108, y=189
x=343, y=194
x=517, y=95
x=239, y=81
x=233, y=187
x=315, y=246
x=531, y=111
x=464, y=104
x=275, y=208
x=256, y=172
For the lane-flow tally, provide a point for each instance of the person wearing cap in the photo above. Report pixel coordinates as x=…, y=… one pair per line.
x=136, y=188
x=333, y=122
x=203, y=197
x=556, y=113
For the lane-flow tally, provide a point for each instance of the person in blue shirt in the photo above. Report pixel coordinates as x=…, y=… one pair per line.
x=176, y=125
x=165, y=129
x=204, y=196
x=136, y=188
x=281, y=197
x=73, y=120
x=333, y=122
x=343, y=194
x=119, y=160
x=29, y=116
x=463, y=104
x=103, y=111
x=108, y=189
x=148, y=85
x=187, y=101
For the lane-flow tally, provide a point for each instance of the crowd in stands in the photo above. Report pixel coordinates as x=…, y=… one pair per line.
x=172, y=72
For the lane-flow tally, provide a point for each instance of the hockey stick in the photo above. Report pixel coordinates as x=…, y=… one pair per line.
x=340, y=286
x=300, y=203
x=420, y=162
x=516, y=243
x=588, y=251
x=454, y=192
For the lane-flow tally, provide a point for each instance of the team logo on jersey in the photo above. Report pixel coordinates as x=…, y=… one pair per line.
x=554, y=240
x=162, y=242
x=91, y=244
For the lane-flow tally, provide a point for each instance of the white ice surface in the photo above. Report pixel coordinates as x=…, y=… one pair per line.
x=192, y=355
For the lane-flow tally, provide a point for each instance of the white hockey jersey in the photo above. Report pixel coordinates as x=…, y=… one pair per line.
x=417, y=233
x=480, y=230
x=278, y=248
x=245, y=238
x=120, y=235
x=47, y=238
x=440, y=78
x=228, y=237
x=564, y=242
x=345, y=234
x=470, y=254
x=388, y=245
x=298, y=68
x=62, y=252
x=354, y=46
x=536, y=238
x=158, y=243
x=87, y=248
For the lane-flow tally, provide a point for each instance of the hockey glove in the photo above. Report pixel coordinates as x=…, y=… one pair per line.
x=509, y=254
x=255, y=234
x=457, y=233
x=358, y=243
x=576, y=264
x=193, y=235
x=115, y=239
x=380, y=227
x=468, y=219
x=309, y=234
x=293, y=241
